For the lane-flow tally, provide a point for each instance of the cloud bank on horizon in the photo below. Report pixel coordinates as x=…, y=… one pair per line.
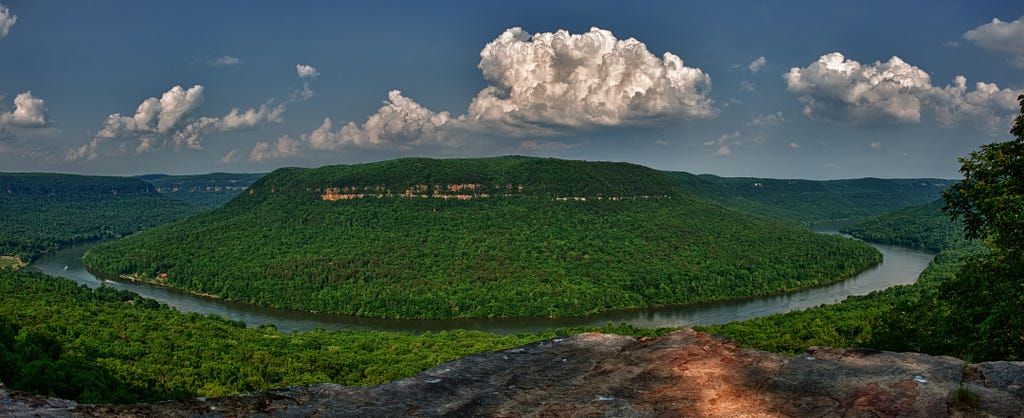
x=547, y=92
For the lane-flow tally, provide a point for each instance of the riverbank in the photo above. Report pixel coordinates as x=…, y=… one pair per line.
x=899, y=266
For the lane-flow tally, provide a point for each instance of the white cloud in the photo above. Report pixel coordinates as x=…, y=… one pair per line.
x=540, y=85
x=159, y=122
x=29, y=112
x=399, y=123
x=876, y=145
x=757, y=64
x=7, y=20
x=226, y=60
x=770, y=120
x=1001, y=36
x=306, y=71
x=231, y=157
x=592, y=79
x=284, y=147
x=747, y=86
x=987, y=107
x=794, y=145
x=837, y=89
x=723, y=151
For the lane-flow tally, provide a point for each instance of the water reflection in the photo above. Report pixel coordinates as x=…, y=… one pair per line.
x=900, y=266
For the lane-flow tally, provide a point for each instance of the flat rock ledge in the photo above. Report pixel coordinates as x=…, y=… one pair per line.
x=682, y=374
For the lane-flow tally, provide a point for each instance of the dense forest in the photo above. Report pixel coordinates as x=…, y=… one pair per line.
x=877, y=320
x=112, y=346
x=969, y=303
x=493, y=237
x=923, y=227
x=812, y=202
x=205, y=190
x=42, y=212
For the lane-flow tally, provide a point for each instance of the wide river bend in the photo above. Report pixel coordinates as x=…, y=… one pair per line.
x=899, y=266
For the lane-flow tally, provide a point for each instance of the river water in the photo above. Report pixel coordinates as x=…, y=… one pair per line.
x=899, y=266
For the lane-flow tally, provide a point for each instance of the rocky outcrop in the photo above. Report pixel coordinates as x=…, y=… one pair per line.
x=685, y=373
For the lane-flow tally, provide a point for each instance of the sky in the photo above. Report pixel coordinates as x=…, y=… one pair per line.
x=797, y=89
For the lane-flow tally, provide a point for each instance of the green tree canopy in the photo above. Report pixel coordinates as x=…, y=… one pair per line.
x=990, y=199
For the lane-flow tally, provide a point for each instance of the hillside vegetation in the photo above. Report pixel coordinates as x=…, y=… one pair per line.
x=41, y=212
x=923, y=227
x=494, y=237
x=810, y=202
x=891, y=319
x=204, y=190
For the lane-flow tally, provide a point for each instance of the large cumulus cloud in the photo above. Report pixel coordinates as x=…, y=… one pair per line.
x=574, y=80
x=540, y=84
x=838, y=89
x=1002, y=36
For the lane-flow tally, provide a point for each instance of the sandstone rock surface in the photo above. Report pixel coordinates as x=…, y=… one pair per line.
x=684, y=374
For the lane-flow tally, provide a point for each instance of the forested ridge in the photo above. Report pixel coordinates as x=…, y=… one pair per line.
x=43, y=211
x=204, y=190
x=491, y=237
x=922, y=227
x=810, y=202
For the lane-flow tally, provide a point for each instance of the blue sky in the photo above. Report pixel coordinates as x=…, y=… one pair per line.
x=800, y=89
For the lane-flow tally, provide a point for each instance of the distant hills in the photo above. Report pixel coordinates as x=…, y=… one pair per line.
x=809, y=202
x=41, y=212
x=488, y=237
x=205, y=190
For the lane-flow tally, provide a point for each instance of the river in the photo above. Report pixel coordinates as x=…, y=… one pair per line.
x=899, y=266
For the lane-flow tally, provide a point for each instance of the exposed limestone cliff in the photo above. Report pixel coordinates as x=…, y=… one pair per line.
x=685, y=373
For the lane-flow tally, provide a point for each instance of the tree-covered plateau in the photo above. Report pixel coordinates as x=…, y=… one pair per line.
x=493, y=237
x=41, y=212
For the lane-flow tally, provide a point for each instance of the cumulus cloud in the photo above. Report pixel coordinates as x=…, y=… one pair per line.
x=539, y=85
x=168, y=121
x=723, y=151
x=876, y=145
x=835, y=88
x=794, y=145
x=757, y=64
x=574, y=80
x=29, y=112
x=7, y=20
x=226, y=60
x=838, y=89
x=1001, y=36
x=399, y=123
x=284, y=147
x=987, y=107
x=306, y=71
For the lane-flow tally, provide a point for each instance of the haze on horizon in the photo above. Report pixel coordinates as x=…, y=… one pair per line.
x=813, y=89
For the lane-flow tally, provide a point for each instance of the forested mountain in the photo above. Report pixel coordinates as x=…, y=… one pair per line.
x=42, y=211
x=492, y=237
x=809, y=202
x=923, y=227
x=205, y=190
